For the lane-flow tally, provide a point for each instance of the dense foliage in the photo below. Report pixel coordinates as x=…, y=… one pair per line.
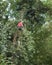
x=33, y=44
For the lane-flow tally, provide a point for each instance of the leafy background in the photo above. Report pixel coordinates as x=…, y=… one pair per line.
x=33, y=44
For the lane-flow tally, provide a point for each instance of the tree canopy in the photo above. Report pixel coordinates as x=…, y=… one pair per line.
x=32, y=44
